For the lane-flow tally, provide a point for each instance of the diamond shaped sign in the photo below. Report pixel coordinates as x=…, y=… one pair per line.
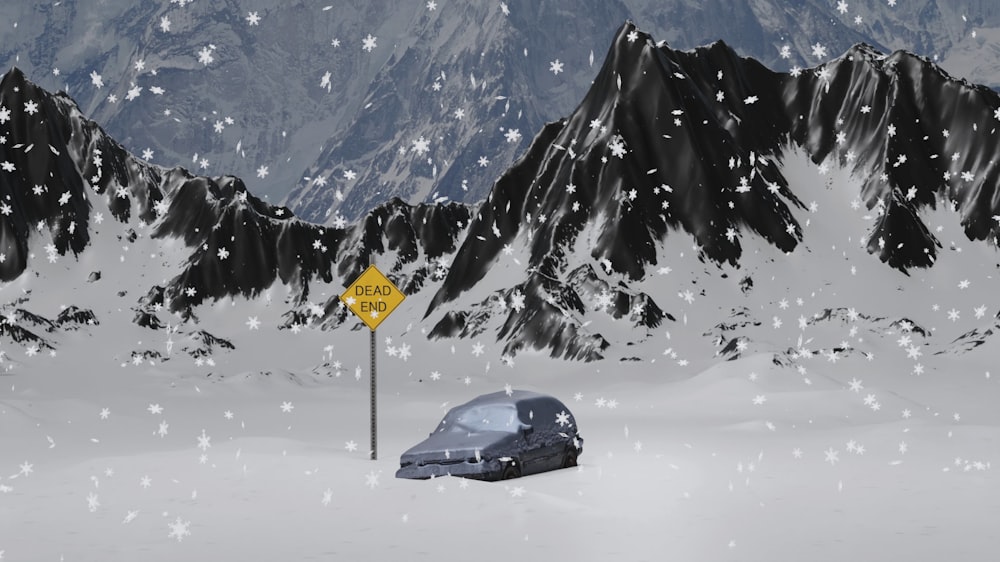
x=372, y=297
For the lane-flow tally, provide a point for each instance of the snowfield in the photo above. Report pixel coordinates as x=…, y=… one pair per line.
x=823, y=440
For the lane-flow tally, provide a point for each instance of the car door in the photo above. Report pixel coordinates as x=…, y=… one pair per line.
x=532, y=451
x=552, y=451
x=544, y=447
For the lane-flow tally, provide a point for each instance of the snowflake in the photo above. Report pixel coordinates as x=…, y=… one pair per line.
x=483, y=162
x=179, y=529
x=96, y=79
x=165, y=24
x=262, y=172
x=555, y=67
x=351, y=446
x=459, y=113
x=842, y=7
x=617, y=148
x=604, y=300
x=513, y=135
x=30, y=107
x=105, y=413
x=155, y=409
x=253, y=19
x=432, y=5
x=287, y=407
x=369, y=43
x=371, y=479
x=562, y=418
x=517, y=301
x=421, y=146
x=204, y=441
x=819, y=51
x=831, y=456
x=92, y=502
x=205, y=56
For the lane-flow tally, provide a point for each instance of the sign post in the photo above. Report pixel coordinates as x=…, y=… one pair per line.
x=372, y=297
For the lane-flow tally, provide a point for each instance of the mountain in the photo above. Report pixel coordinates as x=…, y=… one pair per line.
x=782, y=34
x=62, y=174
x=669, y=141
x=449, y=111
x=696, y=173
x=292, y=99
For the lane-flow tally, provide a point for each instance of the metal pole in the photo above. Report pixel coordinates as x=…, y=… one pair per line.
x=373, y=405
x=374, y=410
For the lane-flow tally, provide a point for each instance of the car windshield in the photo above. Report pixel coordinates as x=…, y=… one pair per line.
x=489, y=417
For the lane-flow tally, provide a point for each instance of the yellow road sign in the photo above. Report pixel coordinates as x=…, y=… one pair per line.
x=372, y=297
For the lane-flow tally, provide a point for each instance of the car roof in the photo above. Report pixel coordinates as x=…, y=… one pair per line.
x=521, y=399
x=515, y=397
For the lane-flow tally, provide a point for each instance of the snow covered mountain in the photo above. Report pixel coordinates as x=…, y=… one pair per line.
x=69, y=189
x=335, y=108
x=668, y=148
x=670, y=142
x=958, y=36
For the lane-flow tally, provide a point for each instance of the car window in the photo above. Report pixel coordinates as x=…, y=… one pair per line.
x=491, y=417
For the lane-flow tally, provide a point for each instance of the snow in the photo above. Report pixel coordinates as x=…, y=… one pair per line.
x=251, y=457
x=833, y=407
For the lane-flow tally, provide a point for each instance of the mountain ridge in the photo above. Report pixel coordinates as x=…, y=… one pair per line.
x=666, y=143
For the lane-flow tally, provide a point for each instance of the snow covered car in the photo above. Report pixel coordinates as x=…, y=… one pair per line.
x=497, y=436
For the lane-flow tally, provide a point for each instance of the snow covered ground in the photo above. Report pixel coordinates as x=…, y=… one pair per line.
x=741, y=461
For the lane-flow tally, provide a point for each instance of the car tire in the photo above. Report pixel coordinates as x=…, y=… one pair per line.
x=510, y=472
x=569, y=461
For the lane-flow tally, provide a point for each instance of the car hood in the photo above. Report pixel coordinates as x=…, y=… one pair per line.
x=461, y=445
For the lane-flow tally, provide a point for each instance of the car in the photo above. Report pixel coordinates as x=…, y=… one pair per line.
x=497, y=436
